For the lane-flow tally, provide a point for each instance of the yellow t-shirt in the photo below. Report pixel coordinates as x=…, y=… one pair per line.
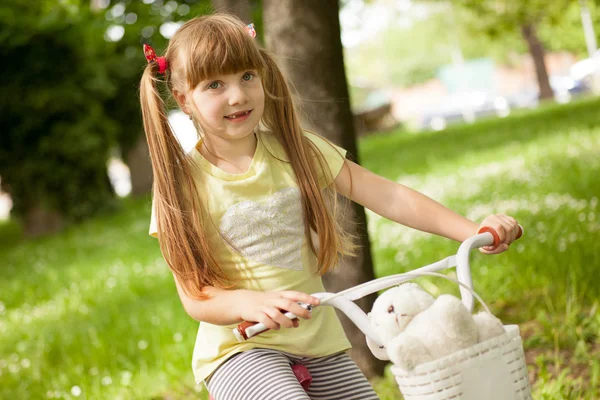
x=260, y=212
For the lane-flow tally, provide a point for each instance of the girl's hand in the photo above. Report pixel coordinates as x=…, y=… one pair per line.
x=269, y=307
x=507, y=229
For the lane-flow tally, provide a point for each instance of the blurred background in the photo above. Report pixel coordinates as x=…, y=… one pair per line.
x=485, y=105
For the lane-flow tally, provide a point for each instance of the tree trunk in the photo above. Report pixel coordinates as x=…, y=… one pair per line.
x=308, y=32
x=39, y=221
x=536, y=49
x=140, y=167
x=240, y=8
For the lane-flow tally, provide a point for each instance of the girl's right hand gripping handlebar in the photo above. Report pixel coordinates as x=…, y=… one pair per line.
x=247, y=329
x=486, y=236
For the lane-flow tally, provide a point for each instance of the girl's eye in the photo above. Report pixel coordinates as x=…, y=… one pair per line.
x=214, y=85
x=248, y=76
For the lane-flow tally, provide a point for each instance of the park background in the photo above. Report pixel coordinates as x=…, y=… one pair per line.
x=486, y=106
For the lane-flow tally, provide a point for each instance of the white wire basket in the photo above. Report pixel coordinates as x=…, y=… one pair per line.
x=492, y=370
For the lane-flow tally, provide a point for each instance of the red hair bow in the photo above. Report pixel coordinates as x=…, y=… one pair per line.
x=151, y=56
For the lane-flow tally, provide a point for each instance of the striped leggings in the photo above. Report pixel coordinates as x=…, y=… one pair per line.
x=264, y=374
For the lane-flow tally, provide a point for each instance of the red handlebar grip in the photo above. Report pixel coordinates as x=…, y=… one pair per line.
x=495, y=234
x=520, y=232
x=243, y=326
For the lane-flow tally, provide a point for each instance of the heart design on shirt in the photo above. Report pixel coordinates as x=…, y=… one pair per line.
x=269, y=233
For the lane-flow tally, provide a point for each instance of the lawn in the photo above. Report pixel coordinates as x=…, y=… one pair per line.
x=93, y=313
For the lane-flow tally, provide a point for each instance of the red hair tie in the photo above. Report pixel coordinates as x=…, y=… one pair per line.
x=151, y=56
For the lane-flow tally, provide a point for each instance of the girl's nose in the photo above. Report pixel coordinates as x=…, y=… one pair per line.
x=237, y=96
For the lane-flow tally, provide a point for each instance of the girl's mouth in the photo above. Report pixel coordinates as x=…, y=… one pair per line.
x=238, y=116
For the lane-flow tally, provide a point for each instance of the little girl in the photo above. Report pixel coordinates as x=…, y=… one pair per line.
x=246, y=219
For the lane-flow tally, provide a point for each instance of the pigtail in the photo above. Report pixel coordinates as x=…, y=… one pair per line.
x=180, y=216
x=280, y=115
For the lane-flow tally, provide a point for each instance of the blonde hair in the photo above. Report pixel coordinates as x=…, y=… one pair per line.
x=201, y=48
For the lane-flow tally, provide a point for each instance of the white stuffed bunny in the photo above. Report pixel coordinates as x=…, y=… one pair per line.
x=416, y=328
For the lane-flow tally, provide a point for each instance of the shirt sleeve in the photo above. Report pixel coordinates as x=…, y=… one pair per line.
x=334, y=157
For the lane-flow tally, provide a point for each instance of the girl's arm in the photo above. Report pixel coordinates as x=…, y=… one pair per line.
x=228, y=307
x=411, y=208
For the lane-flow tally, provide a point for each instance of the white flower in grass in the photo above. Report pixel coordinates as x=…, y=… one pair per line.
x=125, y=378
x=107, y=380
x=142, y=345
x=13, y=368
x=178, y=337
x=417, y=252
x=76, y=391
x=25, y=363
x=111, y=282
x=593, y=202
x=562, y=245
x=542, y=238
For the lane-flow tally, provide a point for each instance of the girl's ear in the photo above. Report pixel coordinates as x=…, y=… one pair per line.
x=181, y=100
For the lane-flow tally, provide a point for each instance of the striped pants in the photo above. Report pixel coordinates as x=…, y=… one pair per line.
x=264, y=374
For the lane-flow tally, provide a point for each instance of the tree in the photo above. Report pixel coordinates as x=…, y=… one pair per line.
x=498, y=16
x=56, y=138
x=319, y=77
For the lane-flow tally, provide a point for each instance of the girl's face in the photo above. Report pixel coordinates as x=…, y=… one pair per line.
x=230, y=106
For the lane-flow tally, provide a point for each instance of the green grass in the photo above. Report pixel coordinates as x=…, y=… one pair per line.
x=93, y=313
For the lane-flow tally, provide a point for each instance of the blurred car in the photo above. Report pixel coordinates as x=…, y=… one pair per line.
x=566, y=87
x=462, y=108
x=585, y=69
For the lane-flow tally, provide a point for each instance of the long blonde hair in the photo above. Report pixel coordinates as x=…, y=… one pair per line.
x=201, y=48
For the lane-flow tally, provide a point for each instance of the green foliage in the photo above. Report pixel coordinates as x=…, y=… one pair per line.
x=56, y=139
x=558, y=22
x=70, y=97
x=413, y=54
x=566, y=33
